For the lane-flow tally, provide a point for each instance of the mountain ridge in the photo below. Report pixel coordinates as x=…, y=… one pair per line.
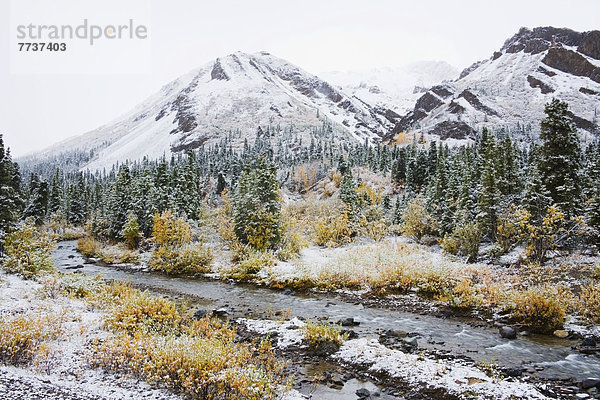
x=235, y=93
x=509, y=90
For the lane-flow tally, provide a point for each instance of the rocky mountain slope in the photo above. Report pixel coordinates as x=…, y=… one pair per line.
x=231, y=95
x=509, y=90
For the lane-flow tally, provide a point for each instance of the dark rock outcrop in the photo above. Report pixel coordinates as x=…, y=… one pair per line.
x=185, y=117
x=476, y=103
x=443, y=91
x=590, y=44
x=455, y=108
x=218, y=72
x=452, y=129
x=470, y=69
x=546, y=72
x=536, y=83
x=426, y=103
x=541, y=39
x=571, y=62
x=161, y=114
x=588, y=91
x=583, y=123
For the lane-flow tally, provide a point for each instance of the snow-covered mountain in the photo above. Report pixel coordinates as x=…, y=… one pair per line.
x=509, y=90
x=393, y=88
x=237, y=93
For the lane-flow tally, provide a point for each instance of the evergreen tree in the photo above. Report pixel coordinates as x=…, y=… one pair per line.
x=120, y=202
x=37, y=205
x=348, y=192
x=257, y=206
x=10, y=201
x=536, y=198
x=489, y=195
x=55, y=200
x=560, y=158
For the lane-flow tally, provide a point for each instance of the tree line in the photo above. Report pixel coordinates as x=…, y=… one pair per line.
x=478, y=182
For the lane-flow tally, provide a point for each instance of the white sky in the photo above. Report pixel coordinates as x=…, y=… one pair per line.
x=39, y=110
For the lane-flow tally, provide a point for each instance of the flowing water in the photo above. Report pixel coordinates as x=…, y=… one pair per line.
x=553, y=357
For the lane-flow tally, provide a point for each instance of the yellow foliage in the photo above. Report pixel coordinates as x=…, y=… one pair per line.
x=334, y=230
x=184, y=260
x=367, y=196
x=251, y=261
x=22, y=337
x=89, y=247
x=159, y=343
x=539, y=309
x=512, y=225
x=337, y=179
x=110, y=254
x=223, y=221
x=465, y=296
x=197, y=367
x=292, y=240
x=317, y=333
x=27, y=250
x=260, y=235
x=170, y=230
x=416, y=221
x=132, y=310
x=589, y=302
x=402, y=138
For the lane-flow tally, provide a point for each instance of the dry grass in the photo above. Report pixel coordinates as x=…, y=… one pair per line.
x=110, y=254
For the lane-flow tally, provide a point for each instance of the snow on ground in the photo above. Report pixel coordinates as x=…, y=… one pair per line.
x=66, y=371
x=416, y=369
x=355, y=257
x=288, y=332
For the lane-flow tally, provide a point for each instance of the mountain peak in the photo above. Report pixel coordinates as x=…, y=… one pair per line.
x=537, y=40
x=232, y=95
x=509, y=90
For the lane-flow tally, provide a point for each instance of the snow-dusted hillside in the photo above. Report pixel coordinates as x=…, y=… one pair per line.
x=510, y=89
x=397, y=88
x=236, y=93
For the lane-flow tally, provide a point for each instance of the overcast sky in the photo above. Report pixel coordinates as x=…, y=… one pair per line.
x=37, y=110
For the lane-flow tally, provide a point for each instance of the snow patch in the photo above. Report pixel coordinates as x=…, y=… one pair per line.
x=454, y=377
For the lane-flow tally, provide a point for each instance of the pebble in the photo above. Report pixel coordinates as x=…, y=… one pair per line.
x=589, y=383
x=508, y=333
x=349, y=322
x=560, y=333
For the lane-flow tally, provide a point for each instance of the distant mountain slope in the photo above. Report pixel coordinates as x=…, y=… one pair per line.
x=236, y=93
x=397, y=88
x=510, y=89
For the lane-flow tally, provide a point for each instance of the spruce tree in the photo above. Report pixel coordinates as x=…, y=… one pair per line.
x=10, y=201
x=55, y=200
x=489, y=195
x=257, y=206
x=37, y=205
x=560, y=158
x=536, y=198
x=120, y=203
